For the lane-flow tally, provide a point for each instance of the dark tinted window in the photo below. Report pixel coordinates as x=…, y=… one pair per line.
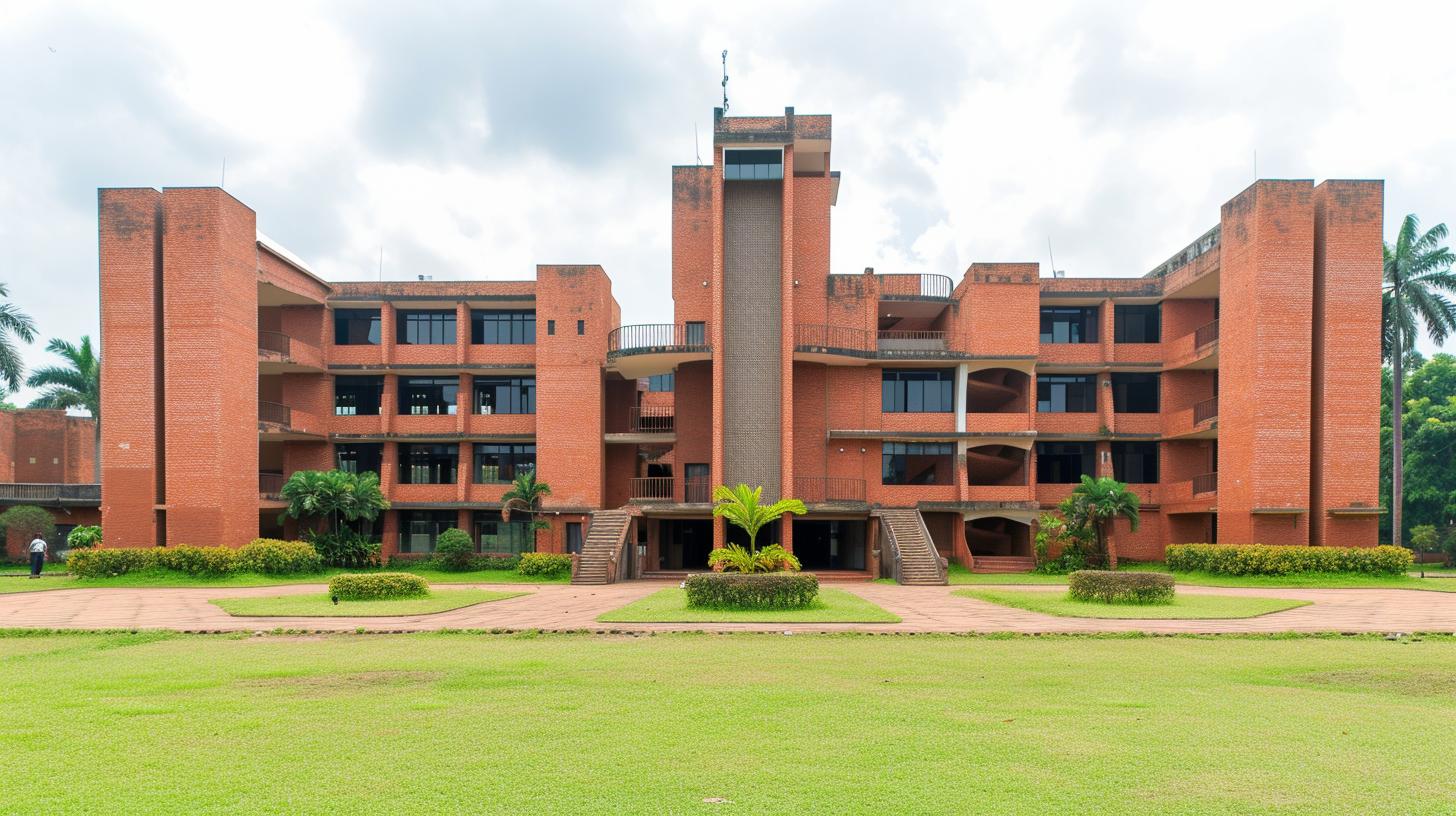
x=505, y=395
x=418, y=529
x=496, y=537
x=428, y=395
x=1135, y=462
x=661, y=382
x=502, y=327
x=1069, y=324
x=1137, y=324
x=359, y=458
x=357, y=396
x=1066, y=393
x=753, y=165
x=432, y=327
x=904, y=463
x=1064, y=462
x=356, y=327
x=1135, y=393
x=917, y=390
x=428, y=464
x=495, y=464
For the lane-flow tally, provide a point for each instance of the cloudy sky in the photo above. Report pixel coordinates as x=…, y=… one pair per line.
x=474, y=140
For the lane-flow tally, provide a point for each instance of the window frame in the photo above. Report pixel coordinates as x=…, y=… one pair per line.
x=515, y=458
x=902, y=391
x=1089, y=327
x=438, y=324
x=442, y=454
x=1123, y=453
x=405, y=407
x=1052, y=381
x=1046, y=456
x=487, y=325
x=1122, y=315
x=373, y=335
x=360, y=385
x=1123, y=381
x=895, y=461
x=523, y=389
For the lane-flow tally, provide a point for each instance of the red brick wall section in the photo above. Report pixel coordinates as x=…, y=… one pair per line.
x=999, y=310
x=46, y=446
x=692, y=243
x=1264, y=356
x=1345, y=438
x=210, y=303
x=130, y=265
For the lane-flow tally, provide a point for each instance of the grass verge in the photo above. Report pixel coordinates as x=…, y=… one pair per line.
x=960, y=575
x=163, y=578
x=308, y=606
x=671, y=606
x=1183, y=607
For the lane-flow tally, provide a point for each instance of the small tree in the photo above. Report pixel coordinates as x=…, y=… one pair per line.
x=525, y=494
x=1053, y=532
x=1424, y=539
x=740, y=505
x=1095, y=504
x=84, y=537
x=27, y=521
x=334, y=496
x=455, y=549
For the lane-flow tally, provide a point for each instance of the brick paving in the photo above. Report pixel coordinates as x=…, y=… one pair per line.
x=923, y=609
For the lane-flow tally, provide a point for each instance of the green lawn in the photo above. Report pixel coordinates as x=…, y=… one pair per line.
x=287, y=606
x=671, y=606
x=843, y=724
x=960, y=575
x=1183, y=607
x=160, y=578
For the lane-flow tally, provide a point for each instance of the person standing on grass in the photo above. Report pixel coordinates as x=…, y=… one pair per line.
x=37, y=555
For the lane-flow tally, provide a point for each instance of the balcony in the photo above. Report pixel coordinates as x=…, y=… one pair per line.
x=277, y=422
x=652, y=419
x=829, y=490
x=663, y=489
x=279, y=353
x=912, y=344
x=1205, y=484
x=42, y=493
x=270, y=485
x=915, y=287
x=656, y=348
x=1205, y=411
x=842, y=345
x=1196, y=350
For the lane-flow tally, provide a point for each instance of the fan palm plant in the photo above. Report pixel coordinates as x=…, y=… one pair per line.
x=1095, y=504
x=741, y=506
x=77, y=384
x=525, y=494
x=1418, y=278
x=14, y=324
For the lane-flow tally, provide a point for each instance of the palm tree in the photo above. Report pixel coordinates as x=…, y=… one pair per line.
x=525, y=494
x=75, y=385
x=1417, y=274
x=18, y=323
x=740, y=505
x=1095, y=504
x=333, y=495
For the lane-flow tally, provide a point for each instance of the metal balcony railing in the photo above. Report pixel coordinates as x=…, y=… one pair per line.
x=1205, y=483
x=648, y=338
x=697, y=491
x=43, y=492
x=274, y=342
x=815, y=336
x=915, y=285
x=1205, y=410
x=270, y=484
x=912, y=340
x=652, y=488
x=1205, y=335
x=652, y=419
x=828, y=489
x=274, y=413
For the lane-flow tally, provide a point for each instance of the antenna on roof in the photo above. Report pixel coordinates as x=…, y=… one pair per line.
x=223, y=183
x=725, y=80
x=697, y=150
x=1056, y=273
x=381, y=262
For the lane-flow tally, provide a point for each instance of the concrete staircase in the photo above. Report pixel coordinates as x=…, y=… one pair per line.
x=919, y=562
x=597, y=563
x=1002, y=563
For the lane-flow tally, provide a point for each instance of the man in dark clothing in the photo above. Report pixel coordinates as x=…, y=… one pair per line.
x=37, y=556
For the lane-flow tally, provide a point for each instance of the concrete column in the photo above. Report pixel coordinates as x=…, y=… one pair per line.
x=962, y=373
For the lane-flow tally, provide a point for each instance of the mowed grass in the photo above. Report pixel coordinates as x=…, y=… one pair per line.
x=164, y=578
x=1314, y=580
x=566, y=724
x=439, y=600
x=671, y=606
x=1183, y=607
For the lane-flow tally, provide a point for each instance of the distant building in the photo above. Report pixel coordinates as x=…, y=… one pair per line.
x=1236, y=386
x=48, y=459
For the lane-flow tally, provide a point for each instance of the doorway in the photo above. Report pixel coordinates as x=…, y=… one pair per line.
x=830, y=544
x=684, y=544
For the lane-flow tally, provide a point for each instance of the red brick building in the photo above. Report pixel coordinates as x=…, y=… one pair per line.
x=48, y=459
x=1236, y=386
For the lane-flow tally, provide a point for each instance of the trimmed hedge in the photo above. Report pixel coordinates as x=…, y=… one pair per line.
x=99, y=563
x=1265, y=559
x=198, y=560
x=1104, y=586
x=455, y=550
x=375, y=585
x=271, y=556
x=535, y=563
x=733, y=590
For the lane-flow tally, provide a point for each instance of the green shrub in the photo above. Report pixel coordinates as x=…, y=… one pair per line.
x=731, y=590
x=454, y=550
x=270, y=556
x=84, y=537
x=1264, y=559
x=345, y=548
x=1102, y=586
x=375, y=585
x=198, y=560
x=736, y=558
x=99, y=562
x=26, y=521
x=544, y=564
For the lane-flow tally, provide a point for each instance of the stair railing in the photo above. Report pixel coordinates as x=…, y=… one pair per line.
x=941, y=565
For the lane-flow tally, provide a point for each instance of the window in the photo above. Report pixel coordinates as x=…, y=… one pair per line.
x=514, y=327
x=1135, y=462
x=551, y=327
x=418, y=529
x=580, y=328
x=573, y=536
x=659, y=383
x=499, y=464
x=1066, y=393
x=1064, y=462
x=695, y=482
x=916, y=463
x=1137, y=324
x=356, y=327
x=1135, y=393
x=496, y=537
x=696, y=333
x=1069, y=324
x=357, y=396
x=505, y=395
x=362, y=458
x=428, y=463
x=433, y=327
x=753, y=165
x=428, y=395
x=917, y=390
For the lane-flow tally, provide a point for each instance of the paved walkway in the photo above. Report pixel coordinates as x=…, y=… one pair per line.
x=923, y=609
